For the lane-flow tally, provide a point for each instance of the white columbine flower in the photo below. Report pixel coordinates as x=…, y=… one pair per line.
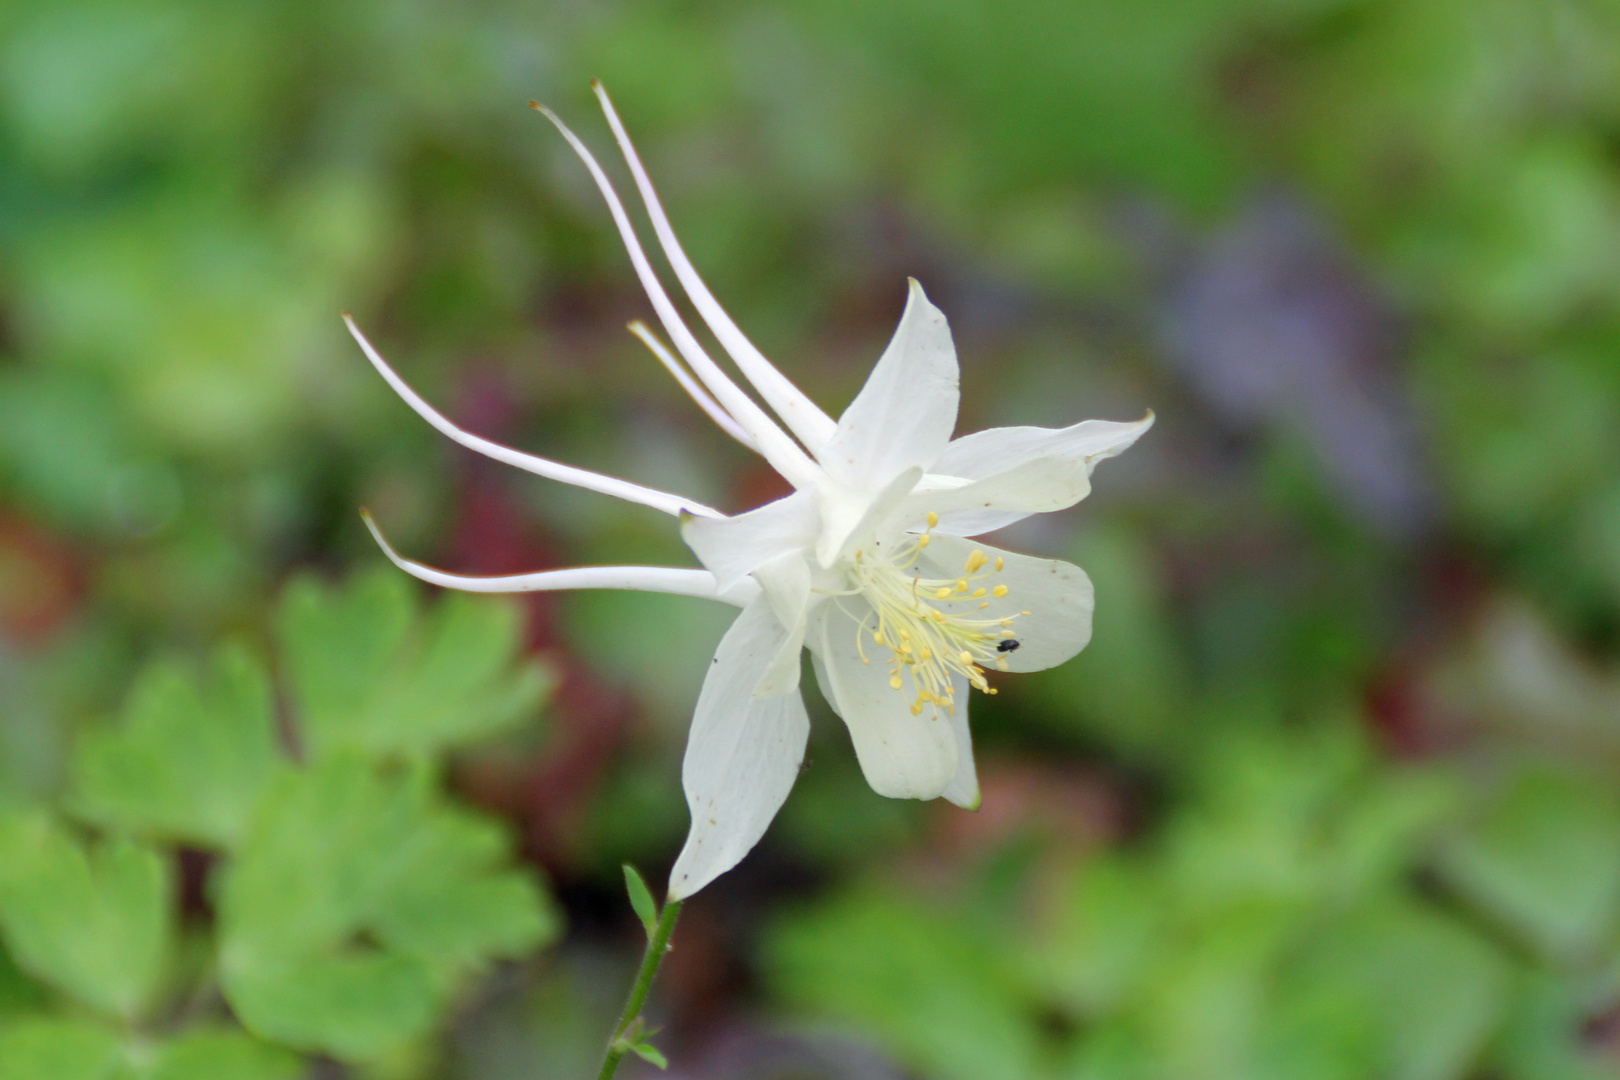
x=865, y=564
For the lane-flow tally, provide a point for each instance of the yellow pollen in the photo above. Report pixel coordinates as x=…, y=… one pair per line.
x=1000, y=563
x=991, y=690
x=933, y=519
x=917, y=620
x=999, y=591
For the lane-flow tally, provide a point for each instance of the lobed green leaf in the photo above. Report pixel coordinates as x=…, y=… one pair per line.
x=188, y=760
x=94, y=923
x=367, y=673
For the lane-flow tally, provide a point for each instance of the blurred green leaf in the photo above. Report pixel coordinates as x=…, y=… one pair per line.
x=651, y=1054
x=1102, y=935
x=933, y=990
x=367, y=672
x=187, y=761
x=222, y=1055
x=1546, y=861
x=357, y=901
x=59, y=1049
x=94, y=924
x=641, y=899
x=1406, y=990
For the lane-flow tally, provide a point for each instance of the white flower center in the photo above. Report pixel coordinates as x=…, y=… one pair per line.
x=931, y=627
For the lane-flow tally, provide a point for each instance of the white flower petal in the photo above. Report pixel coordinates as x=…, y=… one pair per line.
x=692, y=387
x=774, y=445
x=1057, y=595
x=551, y=470
x=742, y=755
x=1039, y=486
x=849, y=522
x=999, y=456
x=803, y=418
x=905, y=413
x=786, y=583
x=995, y=450
x=903, y=756
x=660, y=579
x=732, y=548
x=963, y=790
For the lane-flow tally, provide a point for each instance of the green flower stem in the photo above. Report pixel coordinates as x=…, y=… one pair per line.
x=657, y=946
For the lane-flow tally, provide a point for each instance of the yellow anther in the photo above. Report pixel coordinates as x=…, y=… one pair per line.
x=965, y=656
x=1023, y=613
x=933, y=519
x=924, y=540
x=1006, y=622
x=877, y=636
x=925, y=656
x=961, y=586
x=978, y=593
x=976, y=560
x=991, y=690
x=937, y=615
x=942, y=592
x=916, y=708
x=999, y=591
x=1008, y=632
x=1000, y=563
x=894, y=681
x=1002, y=665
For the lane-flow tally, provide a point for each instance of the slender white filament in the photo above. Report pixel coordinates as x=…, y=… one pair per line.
x=802, y=416
x=551, y=470
x=691, y=385
x=774, y=445
x=661, y=579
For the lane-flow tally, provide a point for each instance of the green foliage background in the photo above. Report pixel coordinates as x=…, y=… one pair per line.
x=1332, y=795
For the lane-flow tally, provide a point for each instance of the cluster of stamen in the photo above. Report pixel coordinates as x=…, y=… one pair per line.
x=926, y=633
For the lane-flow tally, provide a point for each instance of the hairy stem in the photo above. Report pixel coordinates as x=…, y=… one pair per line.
x=657, y=946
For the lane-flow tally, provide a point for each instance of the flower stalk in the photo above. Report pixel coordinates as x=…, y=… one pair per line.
x=628, y=1036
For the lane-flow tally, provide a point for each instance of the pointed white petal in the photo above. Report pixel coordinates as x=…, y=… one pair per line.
x=850, y=522
x=551, y=470
x=691, y=386
x=774, y=445
x=995, y=450
x=742, y=755
x=963, y=790
x=985, y=455
x=1037, y=486
x=786, y=583
x=903, y=756
x=732, y=548
x=1057, y=595
x=660, y=579
x=904, y=415
x=803, y=418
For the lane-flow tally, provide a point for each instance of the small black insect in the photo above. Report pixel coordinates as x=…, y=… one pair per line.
x=1007, y=646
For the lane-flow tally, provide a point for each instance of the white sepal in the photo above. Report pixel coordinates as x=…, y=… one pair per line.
x=742, y=755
